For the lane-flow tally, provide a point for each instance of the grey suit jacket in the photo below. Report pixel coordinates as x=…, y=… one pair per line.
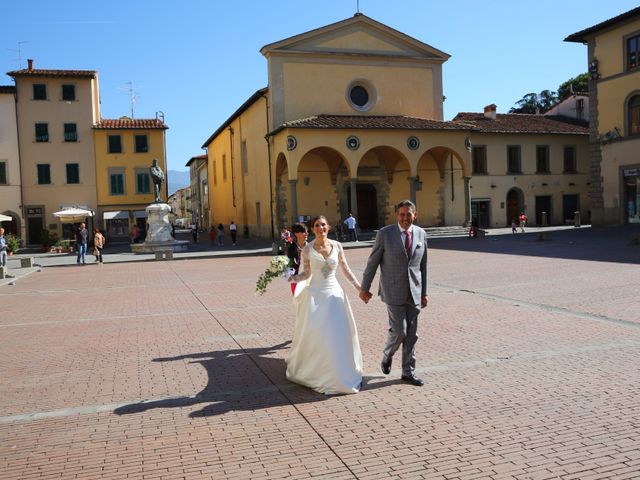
x=402, y=279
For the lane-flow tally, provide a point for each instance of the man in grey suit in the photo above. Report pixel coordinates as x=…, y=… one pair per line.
x=401, y=252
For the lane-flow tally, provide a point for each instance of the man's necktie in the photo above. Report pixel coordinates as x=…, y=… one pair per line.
x=407, y=242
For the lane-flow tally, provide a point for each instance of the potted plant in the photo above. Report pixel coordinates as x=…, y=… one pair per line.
x=13, y=243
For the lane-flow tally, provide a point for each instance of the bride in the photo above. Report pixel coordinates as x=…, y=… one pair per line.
x=325, y=353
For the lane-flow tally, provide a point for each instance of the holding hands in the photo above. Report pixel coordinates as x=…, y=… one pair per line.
x=365, y=296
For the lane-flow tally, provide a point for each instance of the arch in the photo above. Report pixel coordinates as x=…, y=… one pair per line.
x=440, y=185
x=386, y=171
x=632, y=113
x=515, y=204
x=13, y=227
x=322, y=175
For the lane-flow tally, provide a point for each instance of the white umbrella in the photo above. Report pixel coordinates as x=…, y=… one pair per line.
x=5, y=218
x=73, y=214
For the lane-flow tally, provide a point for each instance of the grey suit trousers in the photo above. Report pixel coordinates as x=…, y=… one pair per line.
x=403, y=330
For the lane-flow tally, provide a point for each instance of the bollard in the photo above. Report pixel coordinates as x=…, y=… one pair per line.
x=544, y=222
x=576, y=219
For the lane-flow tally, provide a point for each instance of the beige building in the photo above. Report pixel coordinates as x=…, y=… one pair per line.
x=353, y=117
x=56, y=110
x=10, y=183
x=613, y=55
x=536, y=164
x=198, y=174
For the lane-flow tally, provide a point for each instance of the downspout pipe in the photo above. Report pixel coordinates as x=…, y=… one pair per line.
x=266, y=137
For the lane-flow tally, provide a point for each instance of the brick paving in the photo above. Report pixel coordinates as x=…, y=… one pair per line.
x=175, y=370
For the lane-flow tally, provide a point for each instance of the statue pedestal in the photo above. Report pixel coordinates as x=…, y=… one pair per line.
x=159, y=236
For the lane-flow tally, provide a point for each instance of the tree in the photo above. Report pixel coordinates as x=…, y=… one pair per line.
x=579, y=84
x=546, y=99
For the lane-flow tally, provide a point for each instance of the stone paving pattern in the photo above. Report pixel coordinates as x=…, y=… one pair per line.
x=175, y=370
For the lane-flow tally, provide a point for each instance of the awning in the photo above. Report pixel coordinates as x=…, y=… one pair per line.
x=120, y=214
x=73, y=214
x=140, y=213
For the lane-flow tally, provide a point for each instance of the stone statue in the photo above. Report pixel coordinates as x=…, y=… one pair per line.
x=157, y=176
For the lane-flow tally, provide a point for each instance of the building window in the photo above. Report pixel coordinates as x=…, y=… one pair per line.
x=70, y=132
x=224, y=168
x=361, y=95
x=513, y=159
x=542, y=159
x=42, y=132
x=115, y=144
x=143, y=182
x=633, y=109
x=69, y=93
x=3, y=173
x=570, y=160
x=73, y=173
x=44, y=174
x=479, y=156
x=215, y=172
x=116, y=184
x=142, y=144
x=39, y=91
x=633, y=52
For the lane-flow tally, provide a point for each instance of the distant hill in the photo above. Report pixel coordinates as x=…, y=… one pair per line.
x=177, y=179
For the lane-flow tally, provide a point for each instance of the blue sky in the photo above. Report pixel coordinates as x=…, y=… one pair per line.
x=198, y=60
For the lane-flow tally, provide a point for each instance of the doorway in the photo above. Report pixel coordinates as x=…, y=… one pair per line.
x=515, y=205
x=543, y=204
x=480, y=213
x=570, y=205
x=367, y=199
x=35, y=225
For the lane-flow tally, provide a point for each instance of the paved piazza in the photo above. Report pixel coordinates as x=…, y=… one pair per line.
x=167, y=370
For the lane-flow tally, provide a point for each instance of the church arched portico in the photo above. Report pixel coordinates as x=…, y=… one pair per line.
x=443, y=189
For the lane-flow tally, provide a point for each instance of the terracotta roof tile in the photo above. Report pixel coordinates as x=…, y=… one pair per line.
x=523, y=123
x=390, y=122
x=37, y=72
x=129, y=123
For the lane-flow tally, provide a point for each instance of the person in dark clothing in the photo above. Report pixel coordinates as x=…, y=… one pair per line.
x=300, y=232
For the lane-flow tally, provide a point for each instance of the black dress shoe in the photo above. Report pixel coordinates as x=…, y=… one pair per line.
x=413, y=380
x=386, y=367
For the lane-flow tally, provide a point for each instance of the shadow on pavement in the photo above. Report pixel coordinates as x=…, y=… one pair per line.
x=610, y=244
x=234, y=383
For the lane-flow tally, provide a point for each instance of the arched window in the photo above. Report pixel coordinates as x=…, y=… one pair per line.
x=633, y=109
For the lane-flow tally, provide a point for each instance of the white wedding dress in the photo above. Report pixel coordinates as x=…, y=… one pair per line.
x=325, y=352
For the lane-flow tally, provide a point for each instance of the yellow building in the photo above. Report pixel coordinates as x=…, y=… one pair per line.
x=613, y=51
x=353, y=122
x=124, y=150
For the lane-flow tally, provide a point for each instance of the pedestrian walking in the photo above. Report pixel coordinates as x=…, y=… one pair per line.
x=233, y=230
x=98, y=244
x=523, y=221
x=351, y=222
x=194, y=232
x=212, y=236
x=514, y=226
x=82, y=236
x=3, y=249
x=220, y=232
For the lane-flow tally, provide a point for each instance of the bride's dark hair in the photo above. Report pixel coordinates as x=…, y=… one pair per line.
x=315, y=219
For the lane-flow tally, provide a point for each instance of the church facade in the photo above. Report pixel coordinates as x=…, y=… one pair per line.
x=352, y=122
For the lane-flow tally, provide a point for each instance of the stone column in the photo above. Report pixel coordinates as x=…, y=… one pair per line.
x=467, y=201
x=354, y=198
x=413, y=188
x=293, y=194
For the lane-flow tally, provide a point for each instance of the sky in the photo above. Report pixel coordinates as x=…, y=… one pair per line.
x=197, y=61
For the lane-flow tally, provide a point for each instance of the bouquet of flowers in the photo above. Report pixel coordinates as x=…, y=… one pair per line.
x=278, y=266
